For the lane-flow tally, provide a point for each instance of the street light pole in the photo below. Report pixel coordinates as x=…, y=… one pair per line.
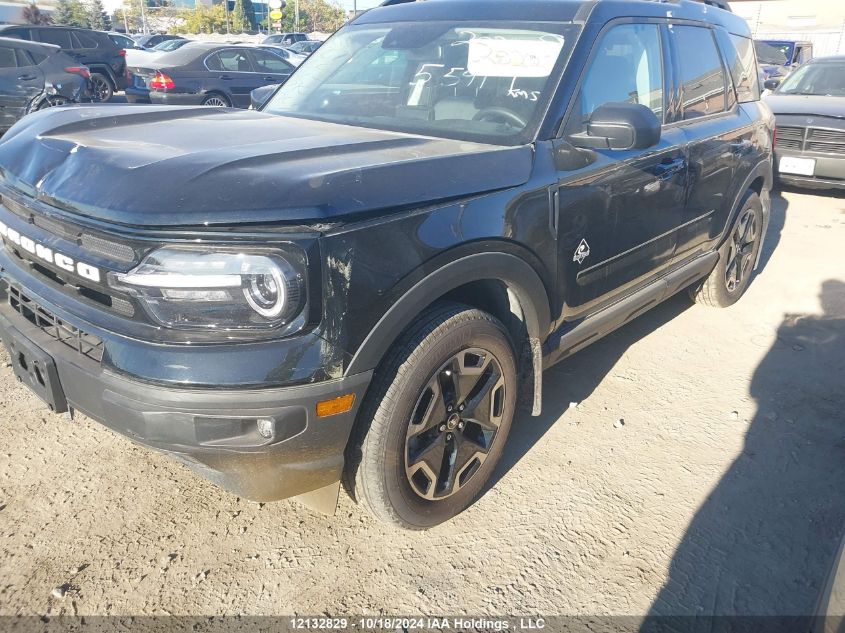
x=296, y=15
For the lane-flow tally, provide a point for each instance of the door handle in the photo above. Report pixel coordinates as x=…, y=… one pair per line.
x=669, y=169
x=741, y=147
x=226, y=77
x=26, y=77
x=268, y=78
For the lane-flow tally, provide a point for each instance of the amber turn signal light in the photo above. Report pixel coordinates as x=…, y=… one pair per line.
x=341, y=404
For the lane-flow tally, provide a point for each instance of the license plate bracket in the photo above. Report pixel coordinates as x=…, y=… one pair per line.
x=35, y=368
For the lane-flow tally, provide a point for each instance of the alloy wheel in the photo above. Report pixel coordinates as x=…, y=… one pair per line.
x=217, y=102
x=100, y=88
x=741, y=251
x=454, y=424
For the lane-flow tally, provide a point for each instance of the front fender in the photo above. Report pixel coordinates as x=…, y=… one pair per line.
x=519, y=277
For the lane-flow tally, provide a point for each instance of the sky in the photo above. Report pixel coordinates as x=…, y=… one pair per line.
x=362, y=4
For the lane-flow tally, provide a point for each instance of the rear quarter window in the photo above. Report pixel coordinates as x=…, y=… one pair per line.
x=7, y=57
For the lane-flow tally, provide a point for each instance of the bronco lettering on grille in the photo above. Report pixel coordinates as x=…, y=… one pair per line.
x=49, y=255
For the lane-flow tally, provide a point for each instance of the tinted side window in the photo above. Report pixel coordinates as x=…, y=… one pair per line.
x=7, y=58
x=83, y=40
x=702, y=73
x=740, y=56
x=59, y=37
x=269, y=63
x=24, y=58
x=230, y=60
x=627, y=67
x=20, y=33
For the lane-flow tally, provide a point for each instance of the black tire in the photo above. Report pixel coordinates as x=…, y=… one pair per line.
x=377, y=475
x=217, y=99
x=101, y=88
x=730, y=278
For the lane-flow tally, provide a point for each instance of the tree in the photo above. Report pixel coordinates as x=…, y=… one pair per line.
x=32, y=15
x=64, y=12
x=97, y=17
x=240, y=18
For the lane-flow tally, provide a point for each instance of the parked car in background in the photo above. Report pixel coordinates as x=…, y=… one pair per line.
x=259, y=96
x=170, y=45
x=35, y=76
x=148, y=41
x=285, y=53
x=809, y=106
x=305, y=47
x=285, y=39
x=778, y=58
x=124, y=41
x=94, y=49
x=202, y=73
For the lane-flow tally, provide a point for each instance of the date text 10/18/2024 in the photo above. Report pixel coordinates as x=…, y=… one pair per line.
x=384, y=623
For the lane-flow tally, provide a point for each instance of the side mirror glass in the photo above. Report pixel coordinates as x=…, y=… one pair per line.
x=620, y=126
x=771, y=84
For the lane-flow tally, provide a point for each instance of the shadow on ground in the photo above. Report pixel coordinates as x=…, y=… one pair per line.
x=763, y=541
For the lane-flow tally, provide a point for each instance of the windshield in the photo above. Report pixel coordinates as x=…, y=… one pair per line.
x=769, y=53
x=481, y=82
x=826, y=79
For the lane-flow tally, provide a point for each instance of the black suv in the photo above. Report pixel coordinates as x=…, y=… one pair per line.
x=95, y=49
x=362, y=280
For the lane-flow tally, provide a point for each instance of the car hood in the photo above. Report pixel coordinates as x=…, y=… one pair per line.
x=807, y=104
x=166, y=166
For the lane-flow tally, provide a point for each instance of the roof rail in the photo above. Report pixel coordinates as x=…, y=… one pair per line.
x=719, y=4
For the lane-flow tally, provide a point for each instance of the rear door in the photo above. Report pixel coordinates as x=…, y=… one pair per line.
x=21, y=81
x=270, y=68
x=718, y=134
x=232, y=72
x=618, y=211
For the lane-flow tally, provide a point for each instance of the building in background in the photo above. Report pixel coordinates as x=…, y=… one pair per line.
x=821, y=22
x=12, y=12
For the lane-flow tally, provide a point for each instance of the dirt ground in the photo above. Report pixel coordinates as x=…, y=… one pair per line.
x=722, y=492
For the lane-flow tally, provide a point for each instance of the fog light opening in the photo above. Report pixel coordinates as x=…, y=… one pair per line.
x=341, y=404
x=266, y=427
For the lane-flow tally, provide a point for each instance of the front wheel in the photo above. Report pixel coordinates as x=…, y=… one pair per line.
x=737, y=256
x=436, y=419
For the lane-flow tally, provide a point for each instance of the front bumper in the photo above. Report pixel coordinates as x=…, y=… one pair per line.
x=214, y=432
x=829, y=171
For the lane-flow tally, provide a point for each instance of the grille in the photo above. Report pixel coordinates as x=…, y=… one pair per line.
x=817, y=140
x=85, y=344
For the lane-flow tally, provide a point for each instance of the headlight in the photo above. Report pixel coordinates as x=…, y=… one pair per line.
x=188, y=288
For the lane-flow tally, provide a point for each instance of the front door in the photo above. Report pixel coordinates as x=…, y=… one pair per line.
x=618, y=211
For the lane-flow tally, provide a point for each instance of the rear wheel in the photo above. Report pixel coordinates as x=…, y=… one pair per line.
x=53, y=101
x=216, y=100
x=101, y=88
x=436, y=419
x=732, y=275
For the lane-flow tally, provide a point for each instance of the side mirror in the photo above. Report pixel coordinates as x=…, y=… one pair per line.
x=620, y=126
x=260, y=96
x=771, y=84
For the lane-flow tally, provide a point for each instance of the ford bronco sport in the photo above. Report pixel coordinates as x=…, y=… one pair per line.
x=361, y=281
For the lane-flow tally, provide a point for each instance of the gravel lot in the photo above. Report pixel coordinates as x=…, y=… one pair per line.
x=721, y=493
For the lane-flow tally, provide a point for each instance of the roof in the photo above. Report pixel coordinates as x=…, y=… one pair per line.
x=27, y=45
x=552, y=11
